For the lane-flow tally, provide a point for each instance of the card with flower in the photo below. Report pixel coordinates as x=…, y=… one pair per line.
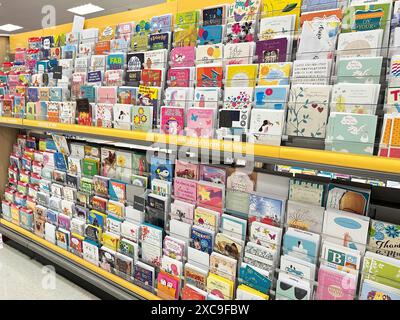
x=104, y=115
x=243, y=31
x=142, y=118
x=238, y=98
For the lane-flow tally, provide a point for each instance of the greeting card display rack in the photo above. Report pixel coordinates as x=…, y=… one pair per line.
x=292, y=150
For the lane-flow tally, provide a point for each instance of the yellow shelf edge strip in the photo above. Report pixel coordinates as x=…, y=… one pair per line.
x=131, y=287
x=324, y=157
x=364, y=162
x=10, y=120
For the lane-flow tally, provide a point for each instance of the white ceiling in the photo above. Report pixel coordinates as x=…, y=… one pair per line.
x=28, y=14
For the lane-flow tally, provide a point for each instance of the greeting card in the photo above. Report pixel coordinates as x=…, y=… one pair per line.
x=185, y=189
x=210, y=195
x=182, y=57
x=241, y=75
x=305, y=216
x=172, y=120
x=209, y=53
x=355, y=98
x=243, y=31
x=266, y=209
x=209, y=75
x=271, y=97
x=308, y=111
x=239, y=53
x=210, y=34
x=200, y=122
x=238, y=98
x=359, y=70
x=332, y=284
x=272, y=51
x=347, y=229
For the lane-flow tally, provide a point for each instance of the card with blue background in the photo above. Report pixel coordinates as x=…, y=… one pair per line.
x=210, y=35
x=271, y=97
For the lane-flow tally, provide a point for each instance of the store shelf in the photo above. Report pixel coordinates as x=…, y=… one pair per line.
x=351, y=164
x=104, y=280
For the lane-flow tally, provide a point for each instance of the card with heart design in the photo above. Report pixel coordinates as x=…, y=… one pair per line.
x=308, y=111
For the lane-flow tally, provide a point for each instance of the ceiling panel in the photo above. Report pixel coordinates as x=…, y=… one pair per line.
x=28, y=14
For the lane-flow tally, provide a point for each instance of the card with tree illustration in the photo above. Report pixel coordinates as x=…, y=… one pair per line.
x=308, y=111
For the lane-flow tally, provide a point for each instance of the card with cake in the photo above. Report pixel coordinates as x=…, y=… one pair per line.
x=301, y=244
x=345, y=284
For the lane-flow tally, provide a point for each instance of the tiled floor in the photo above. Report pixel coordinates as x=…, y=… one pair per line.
x=22, y=278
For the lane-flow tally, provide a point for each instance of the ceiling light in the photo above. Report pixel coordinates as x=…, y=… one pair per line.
x=9, y=27
x=85, y=9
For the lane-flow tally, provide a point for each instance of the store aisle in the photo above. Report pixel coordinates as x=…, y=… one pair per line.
x=22, y=278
